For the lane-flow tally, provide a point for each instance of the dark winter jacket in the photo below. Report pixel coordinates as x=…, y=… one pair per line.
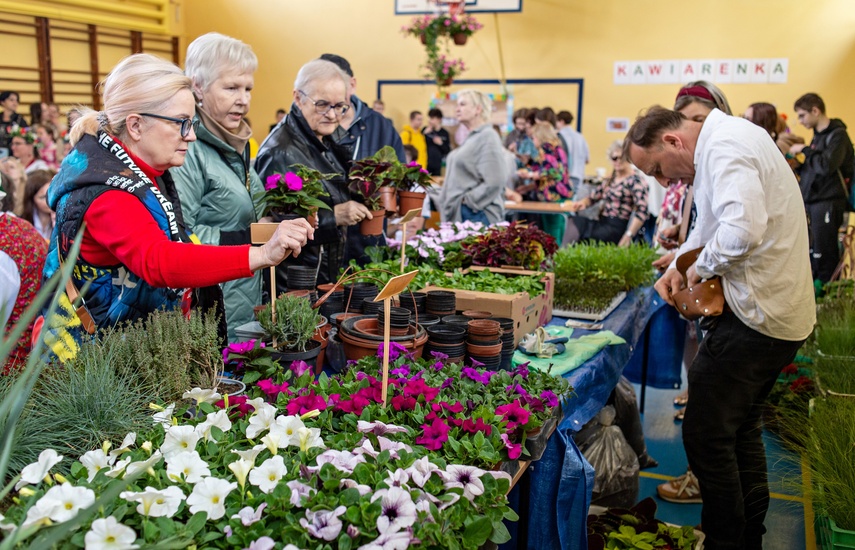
x=436, y=153
x=293, y=142
x=368, y=133
x=826, y=174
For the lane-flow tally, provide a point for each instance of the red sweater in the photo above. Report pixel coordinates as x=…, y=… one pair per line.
x=120, y=230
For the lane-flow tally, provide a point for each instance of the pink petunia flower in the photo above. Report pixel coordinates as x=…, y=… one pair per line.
x=435, y=434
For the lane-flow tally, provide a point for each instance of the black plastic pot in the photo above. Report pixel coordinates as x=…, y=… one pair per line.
x=446, y=334
x=428, y=320
x=461, y=320
x=301, y=277
x=285, y=357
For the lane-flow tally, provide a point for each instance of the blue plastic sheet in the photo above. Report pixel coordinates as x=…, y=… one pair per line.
x=562, y=481
x=665, y=354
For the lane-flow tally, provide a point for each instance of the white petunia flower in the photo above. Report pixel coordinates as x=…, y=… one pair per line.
x=272, y=442
x=156, y=503
x=188, y=467
x=351, y=484
x=389, y=541
x=141, y=465
x=465, y=477
x=298, y=491
x=209, y=495
x=261, y=420
x=249, y=515
x=310, y=438
x=323, y=524
x=250, y=454
x=39, y=513
x=288, y=429
x=67, y=500
x=129, y=440
x=241, y=468
x=220, y=419
x=202, y=395
x=379, y=428
x=398, y=509
x=398, y=478
x=164, y=417
x=421, y=470
x=179, y=439
x=94, y=461
x=109, y=534
x=344, y=461
x=36, y=472
x=267, y=475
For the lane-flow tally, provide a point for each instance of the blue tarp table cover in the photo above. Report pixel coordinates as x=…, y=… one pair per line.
x=561, y=482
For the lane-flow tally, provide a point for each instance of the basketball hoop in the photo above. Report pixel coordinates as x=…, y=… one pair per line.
x=455, y=7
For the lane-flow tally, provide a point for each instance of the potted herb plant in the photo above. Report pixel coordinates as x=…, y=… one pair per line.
x=291, y=329
x=297, y=193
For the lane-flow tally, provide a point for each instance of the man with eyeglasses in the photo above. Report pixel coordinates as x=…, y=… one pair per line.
x=305, y=137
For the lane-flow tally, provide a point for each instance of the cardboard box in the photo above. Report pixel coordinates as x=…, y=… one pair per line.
x=528, y=313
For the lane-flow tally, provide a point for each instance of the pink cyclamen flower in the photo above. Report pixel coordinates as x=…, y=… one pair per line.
x=293, y=182
x=272, y=182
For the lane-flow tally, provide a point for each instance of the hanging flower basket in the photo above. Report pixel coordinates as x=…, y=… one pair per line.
x=460, y=38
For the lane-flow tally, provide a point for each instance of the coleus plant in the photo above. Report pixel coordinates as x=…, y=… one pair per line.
x=517, y=244
x=369, y=174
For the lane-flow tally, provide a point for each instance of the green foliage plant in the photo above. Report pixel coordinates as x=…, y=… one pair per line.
x=588, y=276
x=636, y=528
x=294, y=324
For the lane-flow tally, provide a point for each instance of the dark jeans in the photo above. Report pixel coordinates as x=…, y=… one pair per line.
x=606, y=230
x=729, y=380
x=469, y=215
x=824, y=219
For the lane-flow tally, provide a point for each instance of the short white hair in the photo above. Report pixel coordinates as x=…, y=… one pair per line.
x=318, y=71
x=479, y=99
x=210, y=54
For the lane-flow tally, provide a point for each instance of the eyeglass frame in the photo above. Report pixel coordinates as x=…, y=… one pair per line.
x=186, y=123
x=617, y=158
x=344, y=106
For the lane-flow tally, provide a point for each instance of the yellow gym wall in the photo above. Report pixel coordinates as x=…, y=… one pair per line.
x=551, y=39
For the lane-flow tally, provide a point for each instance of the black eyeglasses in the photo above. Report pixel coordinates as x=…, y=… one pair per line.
x=186, y=123
x=615, y=158
x=323, y=107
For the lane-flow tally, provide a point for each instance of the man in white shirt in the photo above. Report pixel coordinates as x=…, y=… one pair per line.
x=751, y=220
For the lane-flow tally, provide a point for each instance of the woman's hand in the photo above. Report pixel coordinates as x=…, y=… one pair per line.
x=664, y=261
x=512, y=195
x=625, y=241
x=289, y=238
x=351, y=213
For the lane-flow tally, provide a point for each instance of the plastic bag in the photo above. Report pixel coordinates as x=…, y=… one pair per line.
x=629, y=421
x=615, y=463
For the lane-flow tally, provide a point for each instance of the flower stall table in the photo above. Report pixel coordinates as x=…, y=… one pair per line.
x=557, y=490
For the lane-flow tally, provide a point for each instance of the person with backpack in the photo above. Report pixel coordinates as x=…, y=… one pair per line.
x=825, y=169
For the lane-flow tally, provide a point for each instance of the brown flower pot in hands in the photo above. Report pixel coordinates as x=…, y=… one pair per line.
x=388, y=199
x=460, y=38
x=374, y=226
x=410, y=200
x=313, y=219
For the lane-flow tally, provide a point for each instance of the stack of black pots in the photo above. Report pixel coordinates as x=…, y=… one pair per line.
x=370, y=307
x=484, y=342
x=414, y=301
x=441, y=302
x=508, y=348
x=399, y=321
x=357, y=292
x=302, y=278
x=447, y=339
x=334, y=302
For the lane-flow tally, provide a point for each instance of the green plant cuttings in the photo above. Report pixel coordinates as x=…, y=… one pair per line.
x=295, y=322
x=588, y=276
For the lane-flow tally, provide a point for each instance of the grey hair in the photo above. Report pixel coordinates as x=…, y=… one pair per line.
x=140, y=83
x=479, y=99
x=616, y=147
x=210, y=54
x=719, y=100
x=318, y=70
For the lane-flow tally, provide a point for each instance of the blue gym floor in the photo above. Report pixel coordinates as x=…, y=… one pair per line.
x=787, y=517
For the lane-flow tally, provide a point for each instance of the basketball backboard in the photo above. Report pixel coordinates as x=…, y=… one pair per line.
x=415, y=7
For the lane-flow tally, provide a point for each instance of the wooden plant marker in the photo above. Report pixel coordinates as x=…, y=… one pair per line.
x=395, y=286
x=408, y=217
x=260, y=233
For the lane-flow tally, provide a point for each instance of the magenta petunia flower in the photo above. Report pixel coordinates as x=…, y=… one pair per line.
x=299, y=367
x=415, y=388
x=272, y=389
x=514, y=449
x=403, y=403
x=435, y=434
x=395, y=351
x=472, y=374
x=353, y=405
x=549, y=398
x=293, y=182
x=272, y=182
x=306, y=403
x=477, y=426
x=514, y=413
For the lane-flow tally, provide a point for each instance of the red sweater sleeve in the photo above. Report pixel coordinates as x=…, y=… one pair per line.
x=119, y=230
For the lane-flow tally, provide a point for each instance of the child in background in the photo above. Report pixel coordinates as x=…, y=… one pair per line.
x=46, y=143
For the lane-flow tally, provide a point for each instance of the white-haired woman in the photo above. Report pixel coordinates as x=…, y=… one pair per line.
x=217, y=181
x=475, y=172
x=136, y=254
x=305, y=137
x=624, y=196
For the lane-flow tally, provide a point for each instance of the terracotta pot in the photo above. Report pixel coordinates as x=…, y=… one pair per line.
x=298, y=293
x=410, y=200
x=388, y=199
x=460, y=38
x=445, y=82
x=475, y=314
x=484, y=351
x=356, y=348
x=320, y=335
x=312, y=219
x=374, y=226
x=484, y=327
